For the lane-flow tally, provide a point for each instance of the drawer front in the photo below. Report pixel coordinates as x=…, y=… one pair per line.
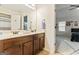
x=41, y=35
x=8, y=43
x=35, y=37
x=26, y=39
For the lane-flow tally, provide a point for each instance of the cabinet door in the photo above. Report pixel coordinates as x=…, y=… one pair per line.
x=15, y=22
x=36, y=44
x=1, y=46
x=28, y=48
x=41, y=45
x=41, y=41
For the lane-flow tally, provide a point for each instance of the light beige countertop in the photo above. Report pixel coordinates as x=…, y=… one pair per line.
x=10, y=35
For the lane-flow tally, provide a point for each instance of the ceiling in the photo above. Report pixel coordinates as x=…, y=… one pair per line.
x=65, y=6
x=17, y=7
x=62, y=6
x=65, y=12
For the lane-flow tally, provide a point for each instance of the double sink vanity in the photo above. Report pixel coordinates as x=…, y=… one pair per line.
x=22, y=44
x=22, y=38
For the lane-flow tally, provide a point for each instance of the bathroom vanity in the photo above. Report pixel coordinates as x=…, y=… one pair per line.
x=27, y=44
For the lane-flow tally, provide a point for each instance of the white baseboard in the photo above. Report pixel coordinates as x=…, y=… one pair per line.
x=46, y=49
x=50, y=53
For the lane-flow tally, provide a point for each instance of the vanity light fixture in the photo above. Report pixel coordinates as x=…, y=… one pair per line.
x=32, y=6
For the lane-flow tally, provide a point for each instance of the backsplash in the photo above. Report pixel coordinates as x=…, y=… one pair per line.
x=5, y=33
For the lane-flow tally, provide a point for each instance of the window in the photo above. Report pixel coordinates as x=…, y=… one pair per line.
x=61, y=26
x=26, y=23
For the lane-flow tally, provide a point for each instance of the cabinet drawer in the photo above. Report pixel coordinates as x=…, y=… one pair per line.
x=41, y=35
x=8, y=43
x=35, y=37
x=27, y=38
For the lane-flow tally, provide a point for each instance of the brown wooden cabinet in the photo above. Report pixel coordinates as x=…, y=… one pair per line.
x=18, y=46
x=25, y=45
x=38, y=42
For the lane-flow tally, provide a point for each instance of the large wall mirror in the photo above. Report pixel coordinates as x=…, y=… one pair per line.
x=5, y=22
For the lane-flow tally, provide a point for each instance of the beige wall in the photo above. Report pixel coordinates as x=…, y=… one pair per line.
x=33, y=20
x=47, y=12
x=8, y=11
